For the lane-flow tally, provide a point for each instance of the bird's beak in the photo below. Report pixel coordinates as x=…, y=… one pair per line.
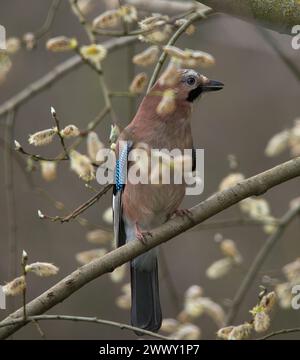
x=212, y=85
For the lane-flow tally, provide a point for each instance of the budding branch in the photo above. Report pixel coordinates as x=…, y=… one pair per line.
x=253, y=186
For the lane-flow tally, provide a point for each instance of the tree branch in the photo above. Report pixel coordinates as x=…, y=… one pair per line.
x=84, y=319
x=280, y=15
x=216, y=203
x=280, y=332
x=194, y=17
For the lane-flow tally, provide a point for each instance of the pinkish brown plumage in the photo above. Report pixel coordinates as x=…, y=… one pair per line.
x=142, y=207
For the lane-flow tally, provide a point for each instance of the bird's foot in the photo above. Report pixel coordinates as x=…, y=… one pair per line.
x=182, y=212
x=142, y=235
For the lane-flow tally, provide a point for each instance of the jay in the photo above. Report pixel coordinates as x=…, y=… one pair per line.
x=139, y=208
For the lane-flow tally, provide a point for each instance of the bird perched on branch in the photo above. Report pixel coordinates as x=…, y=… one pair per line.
x=139, y=208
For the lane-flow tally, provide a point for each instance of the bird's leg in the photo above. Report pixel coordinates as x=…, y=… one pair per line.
x=181, y=212
x=141, y=235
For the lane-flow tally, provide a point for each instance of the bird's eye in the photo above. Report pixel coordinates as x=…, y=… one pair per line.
x=191, y=80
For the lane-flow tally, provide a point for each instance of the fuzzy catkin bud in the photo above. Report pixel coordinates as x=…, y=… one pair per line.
x=187, y=332
x=13, y=45
x=139, y=83
x=99, y=236
x=171, y=75
x=128, y=13
x=167, y=105
x=147, y=57
x=123, y=302
x=231, y=180
x=48, y=170
x=240, y=332
x=15, y=287
x=85, y=257
x=159, y=30
x=191, y=28
x=292, y=270
x=108, y=215
x=219, y=268
x=193, y=292
x=169, y=325
x=70, y=131
x=224, y=333
x=268, y=301
x=261, y=322
x=114, y=134
x=191, y=58
x=284, y=294
x=108, y=19
x=42, y=269
x=43, y=137
x=228, y=247
x=61, y=43
x=93, y=144
x=29, y=40
x=278, y=143
x=82, y=165
x=118, y=274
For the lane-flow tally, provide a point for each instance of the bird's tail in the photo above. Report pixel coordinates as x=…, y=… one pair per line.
x=145, y=303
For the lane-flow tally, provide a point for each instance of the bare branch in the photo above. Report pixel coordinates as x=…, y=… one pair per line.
x=80, y=208
x=49, y=19
x=280, y=332
x=280, y=15
x=165, y=6
x=194, y=17
x=85, y=319
x=216, y=203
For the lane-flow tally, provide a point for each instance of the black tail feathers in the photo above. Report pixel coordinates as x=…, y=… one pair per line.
x=145, y=307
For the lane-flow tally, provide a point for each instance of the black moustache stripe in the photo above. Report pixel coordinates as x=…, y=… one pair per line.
x=193, y=94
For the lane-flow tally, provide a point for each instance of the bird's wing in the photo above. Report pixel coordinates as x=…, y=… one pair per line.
x=120, y=181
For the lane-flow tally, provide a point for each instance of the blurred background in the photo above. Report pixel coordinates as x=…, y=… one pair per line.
x=260, y=98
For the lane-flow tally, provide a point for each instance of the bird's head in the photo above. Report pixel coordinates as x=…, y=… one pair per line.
x=191, y=85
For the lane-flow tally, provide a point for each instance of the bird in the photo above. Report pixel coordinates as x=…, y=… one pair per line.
x=139, y=208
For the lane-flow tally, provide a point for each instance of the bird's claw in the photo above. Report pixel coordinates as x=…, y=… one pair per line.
x=182, y=212
x=142, y=235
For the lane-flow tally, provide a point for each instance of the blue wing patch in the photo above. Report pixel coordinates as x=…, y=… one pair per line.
x=121, y=167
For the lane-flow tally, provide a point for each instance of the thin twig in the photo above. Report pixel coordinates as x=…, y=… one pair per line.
x=39, y=157
x=84, y=319
x=10, y=196
x=258, y=262
x=194, y=17
x=62, y=140
x=49, y=20
x=24, y=272
x=80, y=209
x=256, y=185
x=280, y=332
x=81, y=18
